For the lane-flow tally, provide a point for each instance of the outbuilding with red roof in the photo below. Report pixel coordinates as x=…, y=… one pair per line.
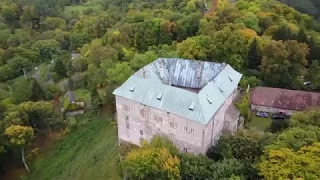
x=275, y=100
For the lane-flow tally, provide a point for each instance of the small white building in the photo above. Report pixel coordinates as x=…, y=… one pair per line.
x=188, y=101
x=284, y=101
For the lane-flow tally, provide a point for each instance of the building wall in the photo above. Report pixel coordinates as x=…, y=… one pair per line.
x=214, y=128
x=271, y=109
x=145, y=122
x=230, y=125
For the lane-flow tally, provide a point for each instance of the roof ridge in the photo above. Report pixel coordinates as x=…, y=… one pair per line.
x=201, y=110
x=178, y=100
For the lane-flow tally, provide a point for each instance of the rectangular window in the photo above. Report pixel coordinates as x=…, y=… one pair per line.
x=192, y=131
x=185, y=129
x=173, y=124
x=127, y=122
x=143, y=113
x=141, y=132
x=226, y=124
x=126, y=108
x=158, y=119
x=185, y=149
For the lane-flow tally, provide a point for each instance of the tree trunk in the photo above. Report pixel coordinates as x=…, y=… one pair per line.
x=24, y=161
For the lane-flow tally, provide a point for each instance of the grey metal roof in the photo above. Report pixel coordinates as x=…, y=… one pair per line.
x=181, y=72
x=200, y=107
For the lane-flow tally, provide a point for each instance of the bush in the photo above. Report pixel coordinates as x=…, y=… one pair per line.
x=72, y=124
x=278, y=125
x=88, y=11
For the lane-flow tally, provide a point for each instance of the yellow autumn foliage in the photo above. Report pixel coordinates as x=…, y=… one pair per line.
x=153, y=162
x=287, y=164
x=19, y=135
x=249, y=33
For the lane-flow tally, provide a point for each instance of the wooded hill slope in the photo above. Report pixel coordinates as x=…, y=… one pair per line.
x=311, y=7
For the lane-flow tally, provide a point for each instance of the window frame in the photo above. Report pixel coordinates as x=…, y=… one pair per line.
x=127, y=123
x=185, y=128
x=126, y=107
x=158, y=119
x=175, y=125
x=143, y=113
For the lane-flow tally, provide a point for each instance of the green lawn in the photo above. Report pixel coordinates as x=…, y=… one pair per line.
x=43, y=68
x=95, y=5
x=260, y=123
x=83, y=94
x=90, y=152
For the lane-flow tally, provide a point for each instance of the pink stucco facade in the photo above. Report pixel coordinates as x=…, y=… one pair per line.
x=138, y=122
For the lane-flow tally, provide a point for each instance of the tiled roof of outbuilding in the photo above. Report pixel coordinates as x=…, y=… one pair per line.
x=284, y=98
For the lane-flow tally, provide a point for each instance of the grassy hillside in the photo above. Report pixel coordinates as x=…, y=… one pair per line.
x=93, y=5
x=88, y=153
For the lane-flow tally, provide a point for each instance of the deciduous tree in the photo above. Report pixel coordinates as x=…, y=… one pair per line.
x=41, y=114
x=305, y=118
x=152, y=162
x=46, y=48
x=285, y=163
x=60, y=69
x=296, y=137
x=52, y=23
x=201, y=167
x=120, y=73
x=20, y=136
x=231, y=46
x=246, y=146
x=283, y=63
x=196, y=48
x=21, y=91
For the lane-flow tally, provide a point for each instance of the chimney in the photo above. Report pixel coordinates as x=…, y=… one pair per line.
x=198, y=69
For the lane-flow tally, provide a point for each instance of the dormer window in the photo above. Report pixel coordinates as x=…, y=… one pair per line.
x=132, y=88
x=220, y=89
x=209, y=100
x=192, y=105
x=159, y=97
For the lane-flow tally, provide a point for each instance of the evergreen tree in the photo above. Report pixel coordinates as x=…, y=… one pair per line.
x=96, y=100
x=60, y=69
x=21, y=91
x=314, y=50
x=283, y=33
x=37, y=92
x=70, y=84
x=254, y=58
x=302, y=36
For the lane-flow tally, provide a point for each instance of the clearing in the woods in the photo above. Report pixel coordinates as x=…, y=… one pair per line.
x=90, y=152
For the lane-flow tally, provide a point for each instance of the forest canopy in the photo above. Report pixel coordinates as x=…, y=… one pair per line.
x=96, y=45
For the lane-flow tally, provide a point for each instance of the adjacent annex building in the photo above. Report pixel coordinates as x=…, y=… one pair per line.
x=284, y=101
x=188, y=101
